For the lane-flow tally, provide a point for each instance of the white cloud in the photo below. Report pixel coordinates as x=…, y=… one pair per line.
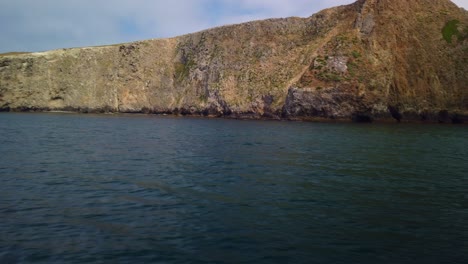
x=31, y=25
x=461, y=3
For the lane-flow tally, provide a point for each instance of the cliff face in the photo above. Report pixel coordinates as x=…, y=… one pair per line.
x=374, y=59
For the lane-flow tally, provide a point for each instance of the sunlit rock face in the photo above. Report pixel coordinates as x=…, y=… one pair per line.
x=371, y=60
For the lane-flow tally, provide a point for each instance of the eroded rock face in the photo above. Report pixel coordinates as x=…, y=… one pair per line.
x=374, y=59
x=338, y=64
x=332, y=103
x=365, y=24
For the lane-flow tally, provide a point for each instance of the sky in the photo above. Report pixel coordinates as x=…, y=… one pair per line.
x=38, y=25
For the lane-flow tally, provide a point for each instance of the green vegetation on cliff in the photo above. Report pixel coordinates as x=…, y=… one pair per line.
x=451, y=29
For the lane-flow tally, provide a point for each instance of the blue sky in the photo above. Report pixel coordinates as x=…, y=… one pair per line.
x=38, y=25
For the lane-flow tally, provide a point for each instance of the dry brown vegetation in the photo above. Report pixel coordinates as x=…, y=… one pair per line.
x=368, y=60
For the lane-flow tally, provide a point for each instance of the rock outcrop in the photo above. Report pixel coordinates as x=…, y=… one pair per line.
x=371, y=60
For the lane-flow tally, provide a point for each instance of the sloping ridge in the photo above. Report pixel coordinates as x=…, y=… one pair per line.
x=371, y=60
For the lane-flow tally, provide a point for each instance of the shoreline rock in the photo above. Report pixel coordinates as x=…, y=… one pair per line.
x=443, y=117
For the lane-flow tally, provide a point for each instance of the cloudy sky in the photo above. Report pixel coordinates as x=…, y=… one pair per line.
x=37, y=25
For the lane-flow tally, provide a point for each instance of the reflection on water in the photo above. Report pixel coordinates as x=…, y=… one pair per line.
x=85, y=188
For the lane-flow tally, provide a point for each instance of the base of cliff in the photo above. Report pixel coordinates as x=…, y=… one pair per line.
x=441, y=117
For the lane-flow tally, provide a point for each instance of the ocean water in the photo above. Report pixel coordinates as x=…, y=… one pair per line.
x=149, y=189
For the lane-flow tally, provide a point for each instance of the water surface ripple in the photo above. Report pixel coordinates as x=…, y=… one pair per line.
x=113, y=189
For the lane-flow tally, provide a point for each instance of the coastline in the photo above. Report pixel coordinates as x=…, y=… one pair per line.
x=446, y=119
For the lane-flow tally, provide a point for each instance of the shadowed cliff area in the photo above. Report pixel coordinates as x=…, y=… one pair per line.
x=372, y=60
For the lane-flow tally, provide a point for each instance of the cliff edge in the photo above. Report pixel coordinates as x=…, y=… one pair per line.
x=371, y=60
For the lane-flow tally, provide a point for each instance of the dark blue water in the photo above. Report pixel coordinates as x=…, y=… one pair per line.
x=136, y=189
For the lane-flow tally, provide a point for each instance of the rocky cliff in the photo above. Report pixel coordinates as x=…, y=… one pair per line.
x=371, y=60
